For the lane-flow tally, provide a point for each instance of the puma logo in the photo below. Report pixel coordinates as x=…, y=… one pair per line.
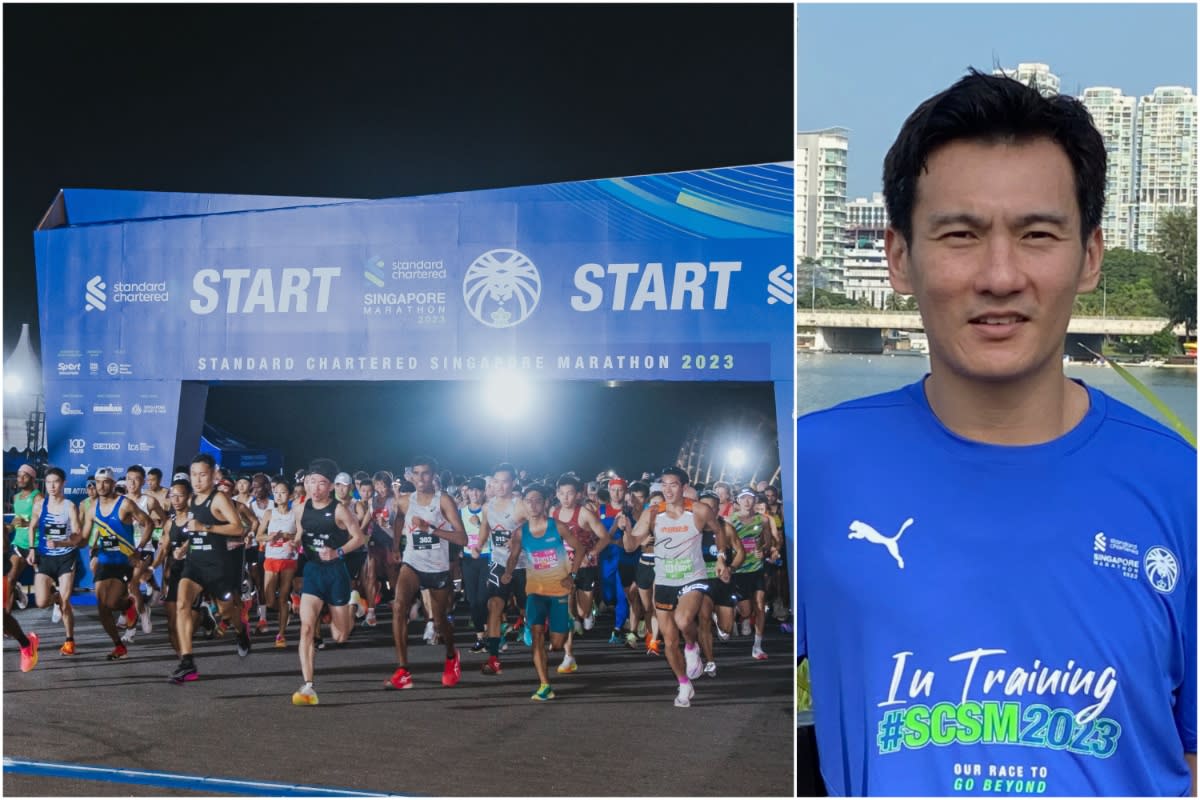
x=861, y=530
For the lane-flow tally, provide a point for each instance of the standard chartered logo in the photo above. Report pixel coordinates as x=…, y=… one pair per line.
x=95, y=298
x=1100, y=543
x=502, y=288
x=779, y=286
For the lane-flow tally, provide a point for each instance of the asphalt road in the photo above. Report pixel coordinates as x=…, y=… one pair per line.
x=612, y=730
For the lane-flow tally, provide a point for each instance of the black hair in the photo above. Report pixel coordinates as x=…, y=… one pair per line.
x=506, y=467
x=638, y=486
x=184, y=482
x=325, y=467
x=154, y=472
x=425, y=461
x=62, y=476
x=138, y=468
x=385, y=476
x=204, y=458
x=361, y=477
x=540, y=488
x=278, y=479
x=993, y=108
x=678, y=472
x=568, y=479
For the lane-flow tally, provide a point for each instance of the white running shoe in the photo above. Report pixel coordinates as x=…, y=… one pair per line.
x=56, y=614
x=430, y=633
x=684, y=698
x=578, y=628
x=710, y=669
x=745, y=627
x=722, y=635
x=568, y=665
x=359, y=611
x=589, y=622
x=695, y=664
x=127, y=636
x=758, y=654
x=147, y=625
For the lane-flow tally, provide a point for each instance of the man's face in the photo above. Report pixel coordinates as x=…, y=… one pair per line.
x=366, y=489
x=746, y=502
x=342, y=491
x=672, y=488
x=202, y=477
x=178, y=497
x=502, y=482
x=617, y=492
x=24, y=481
x=260, y=487
x=996, y=258
x=422, y=478
x=54, y=485
x=91, y=490
x=153, y=483
x=318, y=487
x=771, y=493
x=536, y=503
x=105, y=487
x=243, y=486
x=567, y=495
x=133, y=483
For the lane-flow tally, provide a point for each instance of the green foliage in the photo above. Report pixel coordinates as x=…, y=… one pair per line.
x=1175, y=282
x=1126, y=288
x=827, y=299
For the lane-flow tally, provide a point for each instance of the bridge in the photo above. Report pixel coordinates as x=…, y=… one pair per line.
x=861, y=330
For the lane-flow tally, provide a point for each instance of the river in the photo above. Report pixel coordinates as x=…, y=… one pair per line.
x=825, y=379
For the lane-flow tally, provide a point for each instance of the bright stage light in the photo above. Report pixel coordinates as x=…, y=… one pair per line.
x=507, y=395
x=13, y=383
x=737, y=458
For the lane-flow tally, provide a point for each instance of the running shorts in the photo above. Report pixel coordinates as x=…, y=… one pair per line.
x=540, y=607
x=57, y=566
x=645, y=575
x=328, y=580
x=749, y=582
x=586, y=578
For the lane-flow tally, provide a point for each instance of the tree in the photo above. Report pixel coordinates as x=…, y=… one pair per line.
x=1175, y=281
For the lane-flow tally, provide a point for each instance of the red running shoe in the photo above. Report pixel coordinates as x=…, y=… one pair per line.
x=491, y=666
x=453, y=671
x=119, y=652
x=401, y=679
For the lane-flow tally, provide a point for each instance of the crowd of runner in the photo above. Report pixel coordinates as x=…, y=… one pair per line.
x=532, y=560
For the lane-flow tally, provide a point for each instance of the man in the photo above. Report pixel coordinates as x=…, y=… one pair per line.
x=147, y=544
x=114, y=517
x=430, y=522
x=155, y=488
x=717, y=608
x=585, y=528
x=383, y=563
x=214, y=565
x=549, y=580
x=502, y=516
x=680, y=577
x=18, y=529
x=618, y=566
x=329, y=532
x=757, y=534
x=55, y=552
x=1028, y=604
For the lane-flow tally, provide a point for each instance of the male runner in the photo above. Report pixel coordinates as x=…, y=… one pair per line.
x=1028, y=606
x=147, y=543
x=431, y=522
x=154, y=487
x=718, y=607
x=586, y=529
x=18, y=529
x=758, y=538
x=680, y=577
x=383, y=563
x=329, y=532
x=114, y=518
x=214, y=565
x=618, y=566
x=502, y=516
x=55, y=551
x=549, y=580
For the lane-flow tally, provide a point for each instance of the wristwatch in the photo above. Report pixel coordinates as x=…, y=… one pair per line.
x=341, y=553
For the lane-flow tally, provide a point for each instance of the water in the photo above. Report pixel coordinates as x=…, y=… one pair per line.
x=825, y=379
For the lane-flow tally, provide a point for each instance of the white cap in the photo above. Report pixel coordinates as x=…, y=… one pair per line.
x=344, y=479
x=104, y=473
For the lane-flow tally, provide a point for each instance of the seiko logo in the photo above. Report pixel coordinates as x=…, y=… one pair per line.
x=68, y=367
x=67, y=410
x=246, y=291
x=502, y=288
x=105, y=446
x=689, y=282
x=76, y=447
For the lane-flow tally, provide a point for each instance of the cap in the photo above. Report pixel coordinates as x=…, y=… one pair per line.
x=477, y=483
x=618, y=481
x=104, y=473
x=747, y=492
x=344, y=479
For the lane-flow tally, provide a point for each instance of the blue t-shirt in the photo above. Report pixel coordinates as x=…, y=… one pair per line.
x=986, y=619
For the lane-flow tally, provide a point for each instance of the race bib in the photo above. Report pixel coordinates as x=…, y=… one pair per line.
x=677, y=569
x=543, y=559
x=423, y=540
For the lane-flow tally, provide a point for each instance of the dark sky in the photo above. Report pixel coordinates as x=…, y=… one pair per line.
x=375, y=101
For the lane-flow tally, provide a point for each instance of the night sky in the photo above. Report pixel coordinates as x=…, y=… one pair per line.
x=388, y=101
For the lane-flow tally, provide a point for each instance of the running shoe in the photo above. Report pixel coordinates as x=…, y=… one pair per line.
x=641, y=628
x=127, y=636
x=320, y=642
x=616, y=638
x=186, y=671
x=491, y=666
x=631, y=640
x=504, y=629
x=589, y=621
x=358, y=603
x=722, y=635
x=684, y=698
x=29, y=655
x=578, y=626
x=68, y=649
x=746, y=627
x=478, y=647
x=147, y=625
x=453, y=670
x=401, y=679
x=568, y=665
x=243, y=644
x=695, y=665
x=758, y=654
x=261, y=625
x=710, y=669
x=653, y=648
x=304, y=696
x=430, y=633
x=56, y=614
x=785, y=627
x=20, y=597
x=118, y=652
x=527, y=637
x=207, y=622
x=280, y=642
x=543, y=693
x=370, y=621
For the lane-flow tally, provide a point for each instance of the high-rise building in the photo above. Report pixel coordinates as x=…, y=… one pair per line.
x=1113, y=115
x=1166, y=159
x=866, y=217
x=1037, y=75
x=865, y=264
x=821, y=158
